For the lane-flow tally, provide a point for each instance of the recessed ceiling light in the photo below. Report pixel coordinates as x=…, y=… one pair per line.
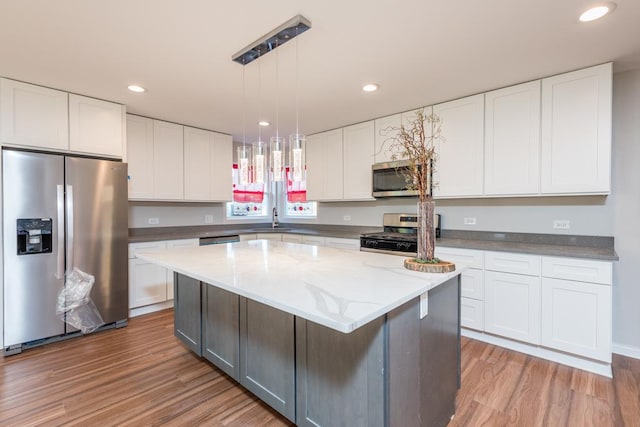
x=264, y=123
x=597, y=12
x=370, y=87
x=136, y=88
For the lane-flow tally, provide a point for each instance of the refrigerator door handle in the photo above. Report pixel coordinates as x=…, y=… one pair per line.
x=69, y=228
x=60, y=208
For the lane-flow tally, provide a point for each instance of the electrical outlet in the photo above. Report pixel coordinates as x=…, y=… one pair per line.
x=562, y=224
x=470, y=221
x=347, y=218
x=154, y=221
x=208, y=219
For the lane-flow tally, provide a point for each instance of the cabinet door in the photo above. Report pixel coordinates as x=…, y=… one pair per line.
x=459, y=168
x=34, y=116
x=221, y=160
x=325, y=175
x=384, y=137
x=95, y=126
x=177, y=244
x=221, y=329
x=168, y=167
x=512, y=140
x=147, y=283
x=140, y=157
x=197, y=146
x=187, y=312
x=512, y=306
x=576, y=132
x=357, y=150
x=576, y=318
x=267, y=349
x=472, y=313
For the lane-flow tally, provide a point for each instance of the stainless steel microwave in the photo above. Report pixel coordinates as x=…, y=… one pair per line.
x=389, y=180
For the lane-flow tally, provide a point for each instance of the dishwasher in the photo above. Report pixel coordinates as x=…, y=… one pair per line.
x=205, y=241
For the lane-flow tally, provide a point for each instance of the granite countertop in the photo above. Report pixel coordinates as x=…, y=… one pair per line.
x=588, y=247
x=341, y=289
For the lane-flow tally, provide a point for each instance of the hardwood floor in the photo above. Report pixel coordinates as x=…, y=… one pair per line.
x=141, y=376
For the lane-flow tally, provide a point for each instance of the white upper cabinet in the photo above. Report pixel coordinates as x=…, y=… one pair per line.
x=358, y=157
x=220, y=161
x=325, y=173
x=96, y=126
x=140, y=156
x=459, y=168
x=168, y=166
x=576, y=132
x=197, y=148
x=207, y=165
x=384, y=137
x=33, y=116
x=512, y=140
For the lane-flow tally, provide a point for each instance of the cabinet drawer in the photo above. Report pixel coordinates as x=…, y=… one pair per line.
x=269, y=236
x=469, y=257
x=134, y=248
x=313, y=240
x=472, y=284
x=244, y=237
x=578, y=269
x=507, y=262
x=292, y=238
x=340, y=243
x=472, y=313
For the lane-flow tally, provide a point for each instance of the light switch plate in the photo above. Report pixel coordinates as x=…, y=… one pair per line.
x=154, y=221
x=470, y=221
x=562, y=224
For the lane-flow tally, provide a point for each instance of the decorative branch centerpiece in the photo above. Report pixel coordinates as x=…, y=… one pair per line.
x=415, y=142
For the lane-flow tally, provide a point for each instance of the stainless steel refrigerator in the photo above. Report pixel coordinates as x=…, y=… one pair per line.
x=60, y=212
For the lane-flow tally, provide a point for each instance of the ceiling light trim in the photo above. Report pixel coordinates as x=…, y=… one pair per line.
x=275, y=38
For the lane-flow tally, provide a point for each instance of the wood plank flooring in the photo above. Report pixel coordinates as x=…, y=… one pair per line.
x=141, y=376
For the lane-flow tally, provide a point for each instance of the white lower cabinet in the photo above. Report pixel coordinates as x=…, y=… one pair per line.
x=471, y=313
x=149, y=283
x=342, y=243
x=269, y=236
x=245, y=237
x=292, y=238
x=576, y=318
x=313, y=240
x=512, y=306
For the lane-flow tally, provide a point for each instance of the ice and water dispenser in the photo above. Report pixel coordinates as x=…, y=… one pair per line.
x=34, y=235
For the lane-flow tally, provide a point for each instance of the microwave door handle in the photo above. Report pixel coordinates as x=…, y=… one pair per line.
x=60, y=223
x=69, y=228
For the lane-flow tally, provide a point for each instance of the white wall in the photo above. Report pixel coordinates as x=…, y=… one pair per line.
x=626, y=211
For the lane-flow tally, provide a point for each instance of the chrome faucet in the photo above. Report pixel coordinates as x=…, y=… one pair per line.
x=274, y=219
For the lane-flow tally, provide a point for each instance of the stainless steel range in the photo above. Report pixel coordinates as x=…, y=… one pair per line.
x=399, y=237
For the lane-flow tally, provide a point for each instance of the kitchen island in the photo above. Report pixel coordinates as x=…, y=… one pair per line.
x=324, y=336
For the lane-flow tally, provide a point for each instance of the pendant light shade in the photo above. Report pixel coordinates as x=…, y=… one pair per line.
x=244, y=156
x=296, y=157
x=277, y=158
x=259, y=162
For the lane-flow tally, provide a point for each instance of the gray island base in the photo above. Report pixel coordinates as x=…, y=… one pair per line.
x=396, y=370
x=325, y=336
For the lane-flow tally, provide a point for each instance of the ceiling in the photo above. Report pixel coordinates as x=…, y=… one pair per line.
x=420, y=52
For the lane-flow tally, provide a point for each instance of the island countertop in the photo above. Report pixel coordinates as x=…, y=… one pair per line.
x=337, y=288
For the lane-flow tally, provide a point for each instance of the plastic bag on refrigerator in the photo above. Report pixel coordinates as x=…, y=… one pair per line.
x=74, y=303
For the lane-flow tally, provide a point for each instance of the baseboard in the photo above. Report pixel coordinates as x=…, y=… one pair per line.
x=139, y=311
x=600, y=368
x=626, y=350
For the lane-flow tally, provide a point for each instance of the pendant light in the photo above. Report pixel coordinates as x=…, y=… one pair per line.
x=244, y=152
x=297, y=140
x=277, y=144
x=259, y=157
